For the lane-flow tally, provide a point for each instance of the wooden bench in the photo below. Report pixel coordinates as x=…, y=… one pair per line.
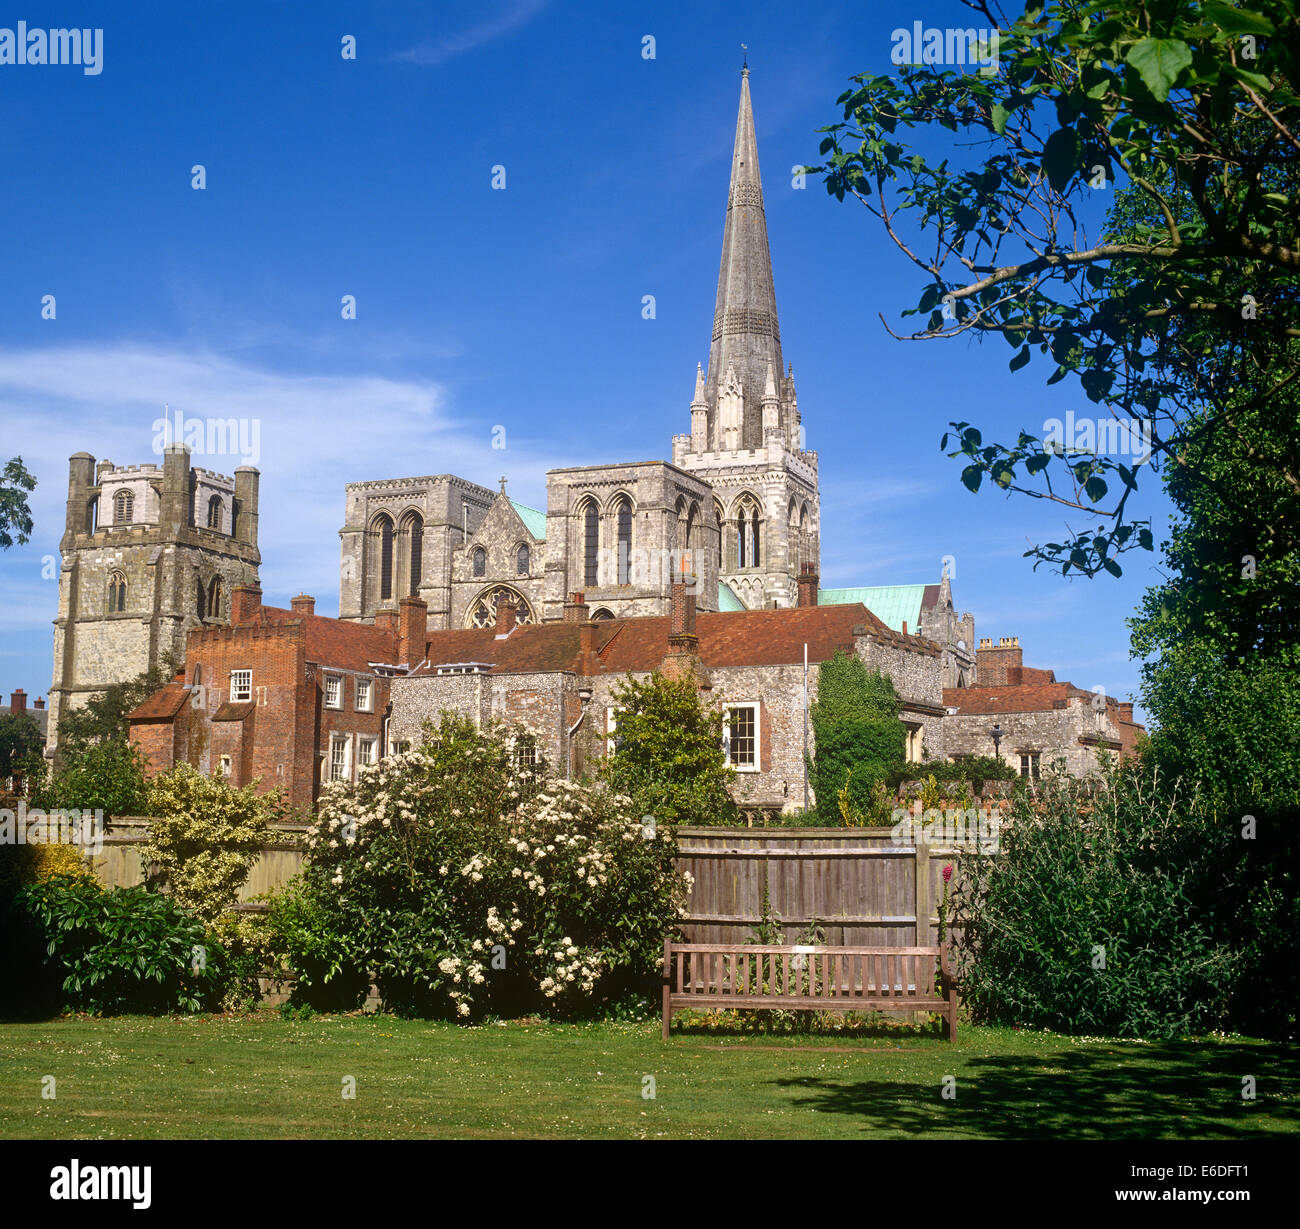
x=757, y=977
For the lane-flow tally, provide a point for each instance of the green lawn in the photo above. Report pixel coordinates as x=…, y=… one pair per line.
x=260, y=1076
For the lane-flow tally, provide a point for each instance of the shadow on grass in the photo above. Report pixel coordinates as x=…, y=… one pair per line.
x=805, y=1025
x=1174, y=1090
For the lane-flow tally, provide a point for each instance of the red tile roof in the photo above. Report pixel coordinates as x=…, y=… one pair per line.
x=163, y=705
x=333, y=642
x=731, y=638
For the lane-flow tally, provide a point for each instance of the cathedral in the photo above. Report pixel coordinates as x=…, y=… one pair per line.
x=736, y=510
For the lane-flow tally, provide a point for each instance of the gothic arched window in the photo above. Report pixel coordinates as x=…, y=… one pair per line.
x=123, y=508
x=483, y=610
x=624, y=522
x=413, y=532
x=523, y=559
x=480, y=561
x=200, y=598
x=116, y=593
x=214, y=598
x=747, y=530
x=382, y=540
x=215, y=513
x=719, y=521
x=590, y=544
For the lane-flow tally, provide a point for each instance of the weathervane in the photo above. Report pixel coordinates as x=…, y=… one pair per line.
x=745, y=48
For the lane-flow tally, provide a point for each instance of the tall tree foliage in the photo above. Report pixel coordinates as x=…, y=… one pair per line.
x=103, y=717
x=1195, y=106
x=16, y=484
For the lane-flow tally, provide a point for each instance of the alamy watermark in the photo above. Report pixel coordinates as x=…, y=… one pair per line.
x=232, y=437
x=21, y=46
x=83, y=828
x=949, y=45
x=950, y=827
x=1098, y=436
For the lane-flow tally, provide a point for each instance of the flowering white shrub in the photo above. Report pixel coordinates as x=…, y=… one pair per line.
x=466, y=885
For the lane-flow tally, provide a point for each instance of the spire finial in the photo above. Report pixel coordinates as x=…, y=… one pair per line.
x=503, y=484
x=744, y=68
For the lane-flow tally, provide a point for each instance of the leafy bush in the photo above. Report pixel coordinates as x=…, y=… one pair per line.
x=105, y=776
x=669, y=757
x=1100, y=915
x=467, y=886
x=204, y=837
x=124, y=949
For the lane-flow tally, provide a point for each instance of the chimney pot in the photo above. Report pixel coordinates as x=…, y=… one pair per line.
x=505, y=616
x=18, y=701
x=303, y=604
x=40, y=703
x=575, y=610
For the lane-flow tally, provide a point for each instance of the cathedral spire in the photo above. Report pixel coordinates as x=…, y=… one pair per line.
x=746, y=336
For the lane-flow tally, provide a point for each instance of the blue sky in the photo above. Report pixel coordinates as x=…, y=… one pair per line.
x=479, y=308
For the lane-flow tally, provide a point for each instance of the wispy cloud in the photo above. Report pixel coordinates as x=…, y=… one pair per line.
x=438, y=51
x=316, y=433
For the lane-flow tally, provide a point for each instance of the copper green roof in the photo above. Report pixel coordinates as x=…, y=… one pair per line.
x=727, y=600
x=534, y=521
x=893, y=605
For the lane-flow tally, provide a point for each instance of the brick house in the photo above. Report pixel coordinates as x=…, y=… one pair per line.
x=1041, y=720
x=295, y=698
x=558, y=680
x=287, y=696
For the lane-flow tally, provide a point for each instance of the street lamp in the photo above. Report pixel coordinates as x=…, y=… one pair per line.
x=996, y=733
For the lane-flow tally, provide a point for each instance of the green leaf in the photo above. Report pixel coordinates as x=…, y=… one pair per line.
x=1234, y=20
x=1061, y=157
x=971, y=477
x=1096, y=489
x=1019, y=360
x=999, y=115
x=1158, y=62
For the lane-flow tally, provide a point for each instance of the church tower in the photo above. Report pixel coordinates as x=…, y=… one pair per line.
x=746, y=440
x=148, y=552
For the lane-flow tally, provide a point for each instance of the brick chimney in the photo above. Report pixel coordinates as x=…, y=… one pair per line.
x=505, y=623
x=575, y=610
x=245, y=603
x=40, y=702
x=18, y=701
x=683, y=657
x=412, y=630
x=994, y=661
x=1125, y=711
x=386, y=621
x=808, y=581
x=681, y=609
x=303, y=604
